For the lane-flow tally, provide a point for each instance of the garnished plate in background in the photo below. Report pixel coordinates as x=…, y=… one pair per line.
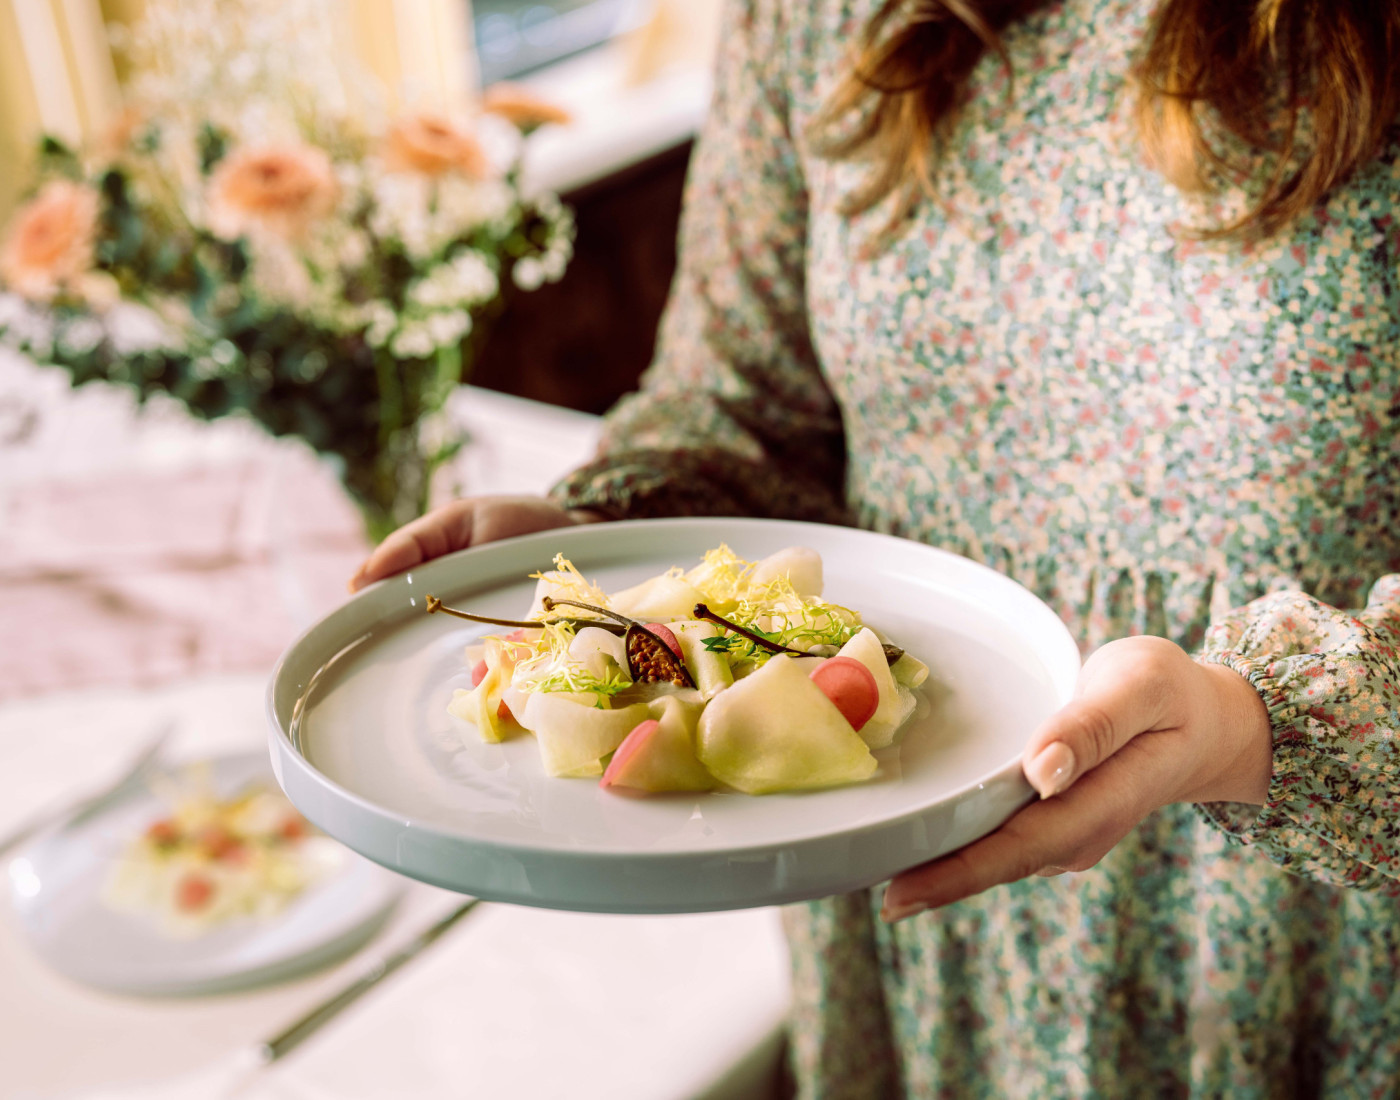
x=363, y=745
x=60, y=886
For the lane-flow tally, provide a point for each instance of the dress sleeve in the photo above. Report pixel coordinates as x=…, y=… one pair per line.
x=733, y=417
x=1331, y=682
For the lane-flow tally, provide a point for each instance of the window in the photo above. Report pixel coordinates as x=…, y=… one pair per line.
x=515, y=37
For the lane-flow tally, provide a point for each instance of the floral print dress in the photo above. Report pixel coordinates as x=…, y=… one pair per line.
x=1156, y=435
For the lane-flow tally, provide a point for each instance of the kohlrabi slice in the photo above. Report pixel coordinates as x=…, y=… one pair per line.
x=573, y=733
x=801, y=565
x=659, y=753
x=909, y=671
x=776, y=731
x=598, y=651
x=709, y=668
x=662, y=598
x=879, y=731
x=481, y=707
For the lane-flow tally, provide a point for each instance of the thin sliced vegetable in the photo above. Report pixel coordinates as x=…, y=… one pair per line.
x=776, y=731
x=574, y=738
x=659, y=754
x=866, y=649
x=709, y=668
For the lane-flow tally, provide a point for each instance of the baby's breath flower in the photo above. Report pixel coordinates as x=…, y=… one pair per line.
x=412, y=342
x=529, y=273
x=81, y=335
x=474, y=277
x=381, y=320
x=354, y=249
x=447, y=329
x=468, y=279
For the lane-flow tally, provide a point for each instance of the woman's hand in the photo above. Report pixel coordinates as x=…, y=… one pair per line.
x=463, y=523
x=1147, y=726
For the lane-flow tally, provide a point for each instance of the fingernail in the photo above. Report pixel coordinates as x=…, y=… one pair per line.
x=893, y=914
x=1052, y=769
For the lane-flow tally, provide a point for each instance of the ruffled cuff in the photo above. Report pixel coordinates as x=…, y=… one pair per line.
x=1329, y=681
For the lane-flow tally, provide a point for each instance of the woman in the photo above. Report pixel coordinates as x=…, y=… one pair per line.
x=1105, y=296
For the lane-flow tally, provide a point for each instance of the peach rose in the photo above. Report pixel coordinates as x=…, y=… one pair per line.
x=116, y=136
x=433, y=145
x=522, y=107
x=277, y=189
x=50, y=244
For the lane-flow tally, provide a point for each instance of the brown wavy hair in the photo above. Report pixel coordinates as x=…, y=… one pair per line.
x=1310, y=87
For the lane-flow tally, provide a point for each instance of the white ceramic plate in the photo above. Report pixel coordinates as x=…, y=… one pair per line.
x=56, y=884
x=376, y=761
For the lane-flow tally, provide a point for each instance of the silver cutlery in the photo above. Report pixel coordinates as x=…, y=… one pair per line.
x=269, y=1050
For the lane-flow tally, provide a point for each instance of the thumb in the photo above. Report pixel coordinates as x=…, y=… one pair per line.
x=1122, y=692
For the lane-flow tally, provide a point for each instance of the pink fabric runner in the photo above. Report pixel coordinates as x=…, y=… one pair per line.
x=138, y=578
x=139, y=546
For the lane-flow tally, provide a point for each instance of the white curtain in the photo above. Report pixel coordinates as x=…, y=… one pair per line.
x=58, y=74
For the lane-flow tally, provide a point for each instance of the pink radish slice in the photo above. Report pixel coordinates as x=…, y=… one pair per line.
x=478, y=673
x=641, y=733
x=514, y=636
x=851, y=686
x=662, y=631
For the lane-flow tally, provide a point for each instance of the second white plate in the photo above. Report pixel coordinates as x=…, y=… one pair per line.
x=57, y=882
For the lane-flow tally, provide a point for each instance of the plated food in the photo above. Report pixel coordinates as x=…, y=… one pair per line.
x=731, y=674
x=213, y=860
x=364, y=745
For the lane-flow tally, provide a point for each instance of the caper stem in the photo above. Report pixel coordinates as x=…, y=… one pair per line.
x=892, y=652
x=435, y=604
x=549, y=603
x=703, y=612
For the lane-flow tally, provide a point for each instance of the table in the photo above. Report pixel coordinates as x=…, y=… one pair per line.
x=153, y=568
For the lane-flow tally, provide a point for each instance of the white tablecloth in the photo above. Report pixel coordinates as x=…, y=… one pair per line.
x=512, y=1002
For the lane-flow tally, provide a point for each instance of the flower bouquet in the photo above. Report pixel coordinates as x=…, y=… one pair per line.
x=321, y=266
